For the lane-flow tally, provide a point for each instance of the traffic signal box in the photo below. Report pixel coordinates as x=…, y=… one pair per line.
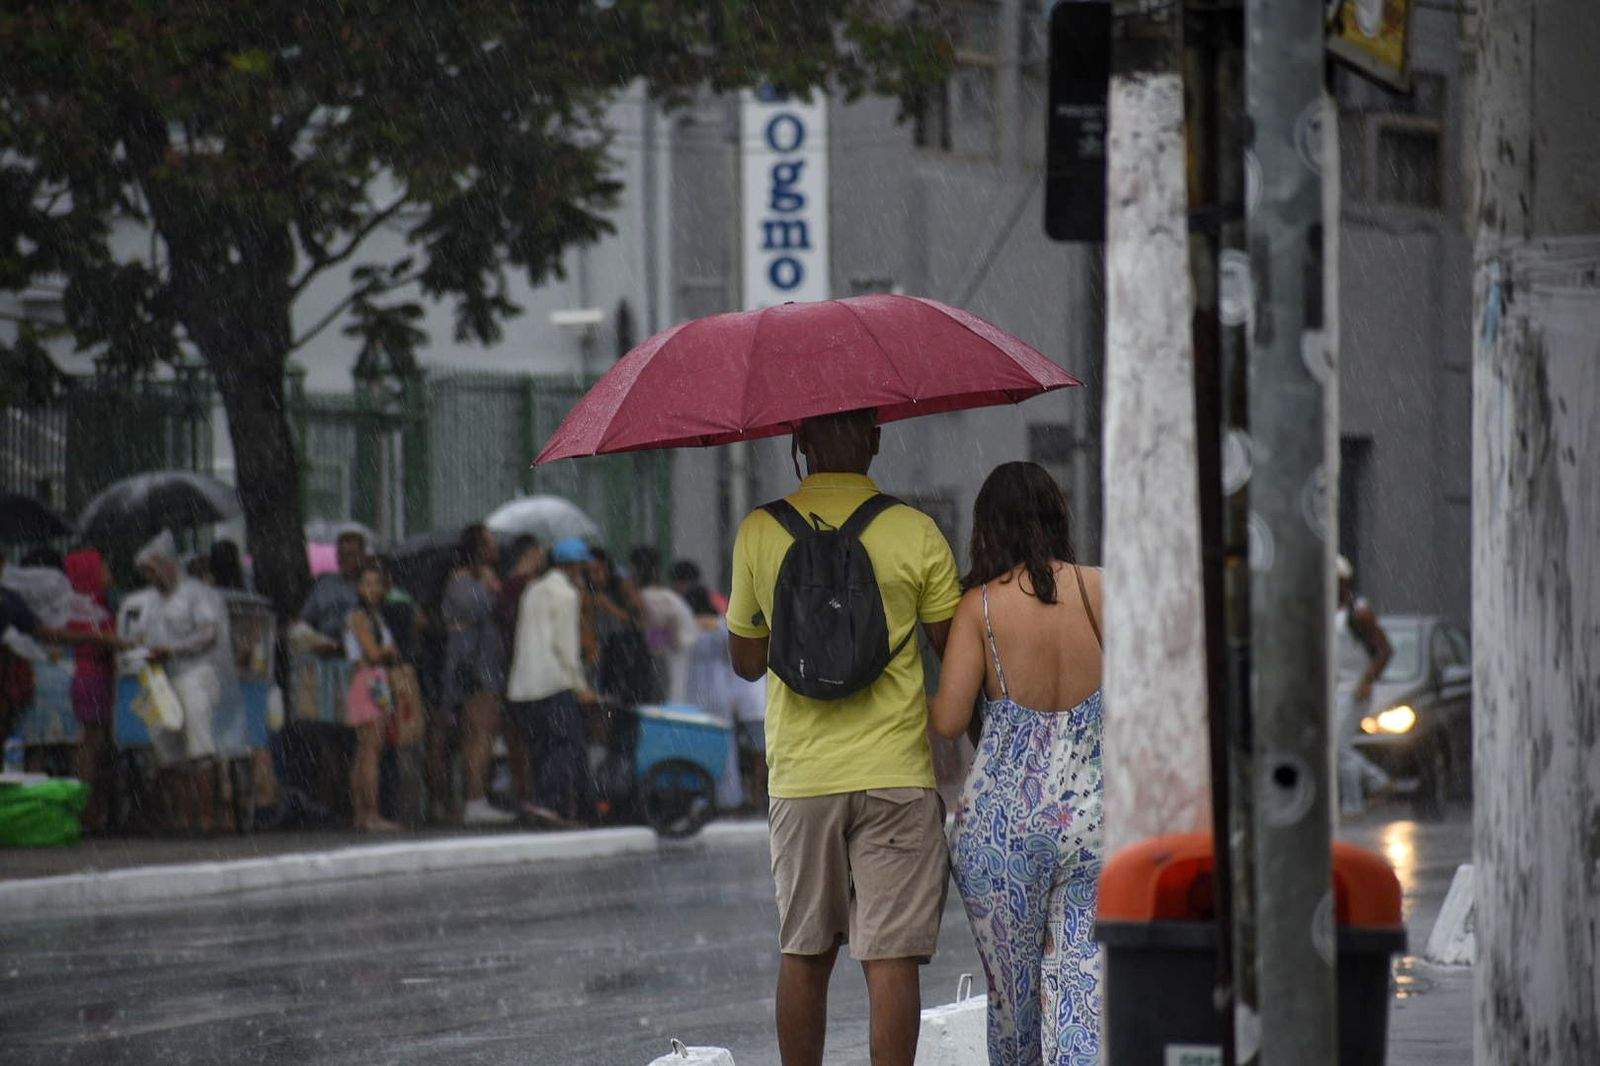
x=1157, y=920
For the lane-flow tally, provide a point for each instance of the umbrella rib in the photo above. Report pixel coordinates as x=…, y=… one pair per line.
x=1009, y=355
x=741, y=415
x=905, y=386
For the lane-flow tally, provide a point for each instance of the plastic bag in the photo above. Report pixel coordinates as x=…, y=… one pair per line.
x=157, y=702
x=42, y=814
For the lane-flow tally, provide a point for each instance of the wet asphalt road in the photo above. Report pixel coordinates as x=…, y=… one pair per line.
x=593, y=962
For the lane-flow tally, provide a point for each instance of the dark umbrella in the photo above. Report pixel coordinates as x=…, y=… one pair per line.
x=421, y=563
x=141, y=506
x=24, y=520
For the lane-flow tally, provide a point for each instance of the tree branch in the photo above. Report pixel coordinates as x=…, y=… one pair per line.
x=321, y=262
x=344, y=305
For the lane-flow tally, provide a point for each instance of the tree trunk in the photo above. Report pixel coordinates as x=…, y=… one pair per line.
x=267, y=471
x=1535, y=552
x=1156, y=763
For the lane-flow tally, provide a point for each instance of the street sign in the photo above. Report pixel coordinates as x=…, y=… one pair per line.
x=1075, y=143
x=1373, y=37
x=784, y=168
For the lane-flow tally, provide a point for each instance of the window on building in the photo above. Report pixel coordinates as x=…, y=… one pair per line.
x=1392, y=143
x=963, y=115
x=1407, y=154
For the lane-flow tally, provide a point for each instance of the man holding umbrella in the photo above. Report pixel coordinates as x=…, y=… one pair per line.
x=858, y=847
x=857, y=830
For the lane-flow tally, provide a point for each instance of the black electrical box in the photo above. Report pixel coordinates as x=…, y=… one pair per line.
x=1075, y=142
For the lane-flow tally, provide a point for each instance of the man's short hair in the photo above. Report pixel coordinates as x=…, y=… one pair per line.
x=352, y=534
x=861, y=420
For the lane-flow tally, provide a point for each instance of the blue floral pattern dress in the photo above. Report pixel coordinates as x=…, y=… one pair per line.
x=1027, y=852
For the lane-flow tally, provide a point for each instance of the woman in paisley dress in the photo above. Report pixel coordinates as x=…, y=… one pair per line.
x=1027, y=844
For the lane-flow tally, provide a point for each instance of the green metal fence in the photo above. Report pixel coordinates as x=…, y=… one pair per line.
x=101, y=430
x=484, y=430
x=434, y=453
x=450, y=447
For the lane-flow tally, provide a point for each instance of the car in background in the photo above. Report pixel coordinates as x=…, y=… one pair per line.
x=1419, y=726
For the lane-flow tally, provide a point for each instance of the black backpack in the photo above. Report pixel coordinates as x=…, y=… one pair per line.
x=830, y=637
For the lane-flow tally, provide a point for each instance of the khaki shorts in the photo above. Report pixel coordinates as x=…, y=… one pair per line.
x=867, y=867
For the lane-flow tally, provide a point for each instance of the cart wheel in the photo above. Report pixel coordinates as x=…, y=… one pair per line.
x=677, y=798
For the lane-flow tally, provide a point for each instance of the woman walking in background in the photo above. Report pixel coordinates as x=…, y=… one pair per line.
x=1026, y=850
x=475, y=663
x=370, y=647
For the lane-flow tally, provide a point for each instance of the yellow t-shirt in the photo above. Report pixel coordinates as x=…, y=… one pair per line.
x=877, y=738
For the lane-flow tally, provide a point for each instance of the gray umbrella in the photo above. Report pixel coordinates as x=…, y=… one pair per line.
x=140, y=506
x=329, y=530
x=550, y=518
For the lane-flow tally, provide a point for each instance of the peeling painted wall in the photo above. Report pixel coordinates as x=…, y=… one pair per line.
x=1536, y=548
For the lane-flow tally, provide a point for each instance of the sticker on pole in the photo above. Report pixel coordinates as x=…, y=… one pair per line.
x=1192, y=1055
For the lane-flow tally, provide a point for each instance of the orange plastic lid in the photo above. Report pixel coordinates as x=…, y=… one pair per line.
x=1170, y=878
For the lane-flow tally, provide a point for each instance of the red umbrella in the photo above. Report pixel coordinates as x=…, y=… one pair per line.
x=752, y=374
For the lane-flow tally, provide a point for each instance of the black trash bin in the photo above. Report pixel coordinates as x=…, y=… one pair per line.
x=1157, y=920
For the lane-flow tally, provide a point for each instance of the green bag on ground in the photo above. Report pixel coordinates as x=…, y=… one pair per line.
x=42, y=814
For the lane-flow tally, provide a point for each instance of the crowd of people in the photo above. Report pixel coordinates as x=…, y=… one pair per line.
x=521, y=657
x=481, y=697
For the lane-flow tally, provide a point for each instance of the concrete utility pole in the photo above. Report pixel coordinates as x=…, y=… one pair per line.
x=1536, y=535
x=1291, y=591
x=1155, y=752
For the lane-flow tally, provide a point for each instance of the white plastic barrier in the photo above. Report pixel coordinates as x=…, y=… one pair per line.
x=956, y=1034
x=680, y=1055
x=1452, y=942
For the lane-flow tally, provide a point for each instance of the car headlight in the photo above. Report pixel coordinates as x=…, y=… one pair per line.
x=1401, y=719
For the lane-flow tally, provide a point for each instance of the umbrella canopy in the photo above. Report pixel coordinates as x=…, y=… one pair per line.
x=24, y=520
x=752, y=374
x=421, y=563
x=550, y=518
x=139, y=507
x=329, y=530
x=323, y=557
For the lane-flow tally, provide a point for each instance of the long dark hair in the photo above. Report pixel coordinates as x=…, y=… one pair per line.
x=469, y=545
x=1020, y=519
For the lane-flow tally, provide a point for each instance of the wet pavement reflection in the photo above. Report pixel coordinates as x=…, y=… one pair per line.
x=592, y=962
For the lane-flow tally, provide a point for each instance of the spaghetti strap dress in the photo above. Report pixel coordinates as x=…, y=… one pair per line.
x=1026, y=854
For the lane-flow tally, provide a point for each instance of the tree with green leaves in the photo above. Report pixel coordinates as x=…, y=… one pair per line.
x=183, y=170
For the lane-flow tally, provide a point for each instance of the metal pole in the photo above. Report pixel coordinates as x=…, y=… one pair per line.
x=1214, y=77
x=1290, y=591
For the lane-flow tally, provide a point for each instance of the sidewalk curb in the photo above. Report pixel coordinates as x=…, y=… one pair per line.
x=87, y=892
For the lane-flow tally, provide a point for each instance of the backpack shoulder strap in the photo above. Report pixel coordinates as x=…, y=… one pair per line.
x=862, y=517
x=790, y=519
